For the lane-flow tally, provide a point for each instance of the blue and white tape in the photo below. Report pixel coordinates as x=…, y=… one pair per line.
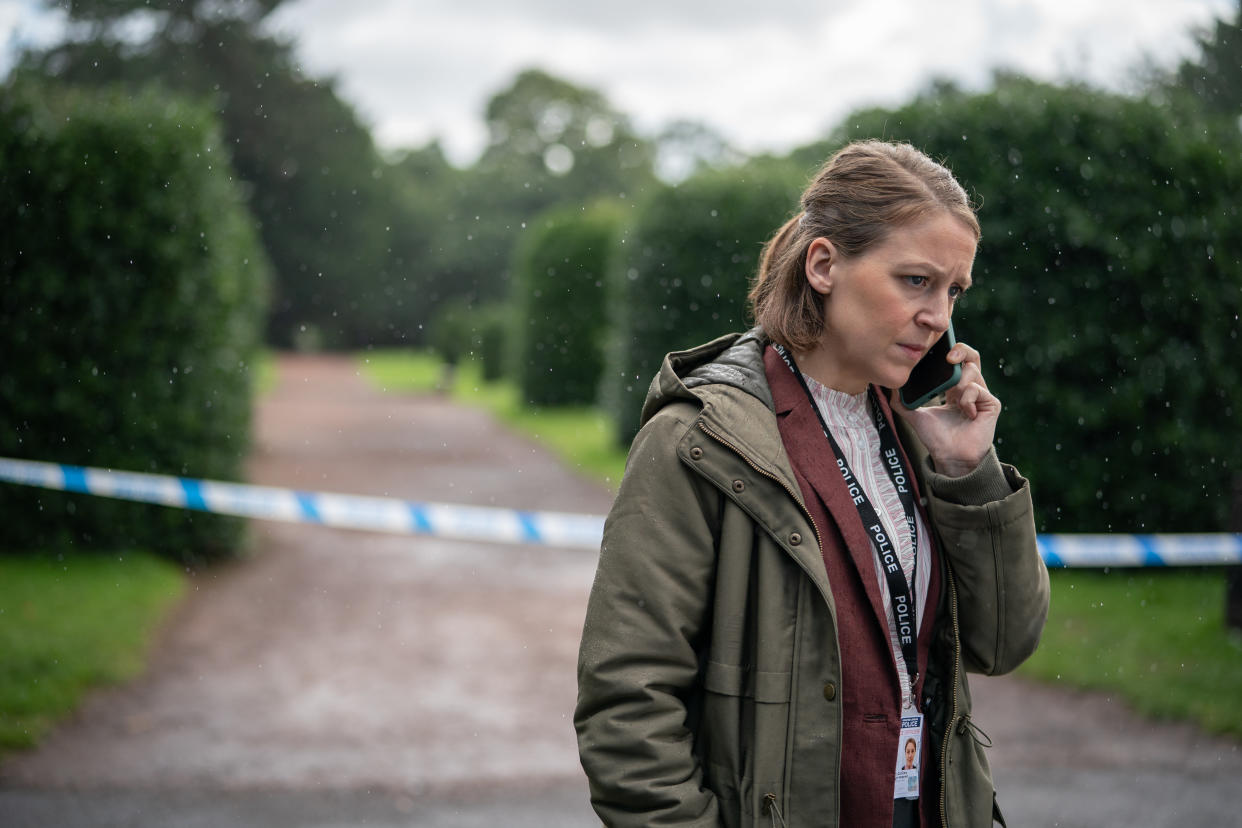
x=380, y=514
x=560, y=529
x=1140, y=550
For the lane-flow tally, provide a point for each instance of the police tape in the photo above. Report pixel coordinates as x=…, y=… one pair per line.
x=379, y=514
x=559, y=529
x=1140, y=550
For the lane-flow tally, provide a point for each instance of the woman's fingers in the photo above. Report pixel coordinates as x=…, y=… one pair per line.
x=971, y=394
x=968, y=399
x=962, y=395
x=961, y=352
x=974, y=398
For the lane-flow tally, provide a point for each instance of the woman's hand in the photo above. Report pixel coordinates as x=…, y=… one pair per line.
x=958, y=433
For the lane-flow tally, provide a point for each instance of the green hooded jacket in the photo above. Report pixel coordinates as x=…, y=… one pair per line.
x=709, y=666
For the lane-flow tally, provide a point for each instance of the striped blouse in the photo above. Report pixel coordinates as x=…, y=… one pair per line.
x=849, y=419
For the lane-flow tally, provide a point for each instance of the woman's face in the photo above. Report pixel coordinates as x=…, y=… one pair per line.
x=909, y=754
x=883, y=309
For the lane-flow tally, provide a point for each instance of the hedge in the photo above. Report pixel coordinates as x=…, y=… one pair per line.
x=685, y=270
x=1108, y=289
x=560, y=274
x=133, y=296
x=460, y=330
x=493, y=330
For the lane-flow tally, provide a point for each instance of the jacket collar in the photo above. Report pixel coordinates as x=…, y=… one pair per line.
x=734, y=361
x=727, y=379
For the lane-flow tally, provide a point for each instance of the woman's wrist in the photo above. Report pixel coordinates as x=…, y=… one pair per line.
x=957, y=467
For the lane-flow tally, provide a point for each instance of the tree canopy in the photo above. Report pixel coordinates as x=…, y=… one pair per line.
x=326, y=211
x=551, y=143
x=1214, y=75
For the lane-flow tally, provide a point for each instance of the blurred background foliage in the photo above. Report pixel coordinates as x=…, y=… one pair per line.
x=1108, y=286
x=561, y=303
x=575, y=251
x=133, y=295
x=684, y=271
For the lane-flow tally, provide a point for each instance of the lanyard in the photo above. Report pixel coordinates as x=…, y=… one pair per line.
x=900, y=592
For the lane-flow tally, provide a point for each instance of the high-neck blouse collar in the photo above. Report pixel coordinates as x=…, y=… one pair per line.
x=852, y=409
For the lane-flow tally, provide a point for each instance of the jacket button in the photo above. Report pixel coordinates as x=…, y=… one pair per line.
x=795, y=539
x=696, y=453
x=830, y=691
x=739, y=486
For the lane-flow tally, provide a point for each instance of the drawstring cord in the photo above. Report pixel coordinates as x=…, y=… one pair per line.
x=976, y=732
x=773, y=810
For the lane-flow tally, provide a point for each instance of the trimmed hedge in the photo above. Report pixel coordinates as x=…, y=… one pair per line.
x=133, y=295
x=685, y=271
x=492, y=334
x=459, y=330
x=1108, y=289
x=560, y=283
x=450, y=332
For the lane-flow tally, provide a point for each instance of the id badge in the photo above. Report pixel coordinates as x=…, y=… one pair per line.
x=909, y=757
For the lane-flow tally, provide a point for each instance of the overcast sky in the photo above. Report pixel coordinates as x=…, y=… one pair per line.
x=768, y=76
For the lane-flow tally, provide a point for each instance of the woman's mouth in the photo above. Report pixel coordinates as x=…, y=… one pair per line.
x=915, y=352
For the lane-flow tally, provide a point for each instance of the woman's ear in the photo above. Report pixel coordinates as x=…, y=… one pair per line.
x=820, y=257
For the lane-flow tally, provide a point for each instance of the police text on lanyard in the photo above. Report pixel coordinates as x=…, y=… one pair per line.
x=900, y=591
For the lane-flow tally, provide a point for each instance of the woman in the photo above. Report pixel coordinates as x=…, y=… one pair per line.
x=778, y=606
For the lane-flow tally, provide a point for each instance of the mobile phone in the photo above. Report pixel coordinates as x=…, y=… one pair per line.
x=932, y=375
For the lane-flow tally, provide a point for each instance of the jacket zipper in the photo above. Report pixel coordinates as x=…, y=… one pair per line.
x=948, y=731
x=796, y=499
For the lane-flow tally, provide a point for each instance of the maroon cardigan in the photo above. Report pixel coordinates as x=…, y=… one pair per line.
x=871, y=691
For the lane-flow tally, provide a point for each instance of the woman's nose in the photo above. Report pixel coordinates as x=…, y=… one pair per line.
x=936, y=313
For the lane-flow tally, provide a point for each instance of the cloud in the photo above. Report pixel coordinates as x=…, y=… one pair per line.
x=766, y=78
x=25, y=23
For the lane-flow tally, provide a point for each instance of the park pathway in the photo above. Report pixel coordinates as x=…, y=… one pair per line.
x=337, y=678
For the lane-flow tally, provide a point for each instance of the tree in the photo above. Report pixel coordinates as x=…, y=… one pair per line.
x=564, y=143
x=327, y=210
x=686, y=147
x=1214, y=76
x=431, y=193
x=551, y=143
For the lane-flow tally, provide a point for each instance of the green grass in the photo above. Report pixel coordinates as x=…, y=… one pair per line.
x=266, y=373
x=403, y=371
x=1155, y=638
x=68, y=623
x=581, y=436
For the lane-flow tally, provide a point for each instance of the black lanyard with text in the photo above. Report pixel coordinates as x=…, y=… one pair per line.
x=900, y=592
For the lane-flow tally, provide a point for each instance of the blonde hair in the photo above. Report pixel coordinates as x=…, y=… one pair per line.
x=855, y=200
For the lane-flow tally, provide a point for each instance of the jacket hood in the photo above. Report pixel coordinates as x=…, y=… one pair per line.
x=734, y=360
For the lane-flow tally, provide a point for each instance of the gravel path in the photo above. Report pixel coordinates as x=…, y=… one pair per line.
x=340, y=678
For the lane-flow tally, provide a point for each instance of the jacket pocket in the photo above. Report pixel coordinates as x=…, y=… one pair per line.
x=741, y=738
x=729, y=680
